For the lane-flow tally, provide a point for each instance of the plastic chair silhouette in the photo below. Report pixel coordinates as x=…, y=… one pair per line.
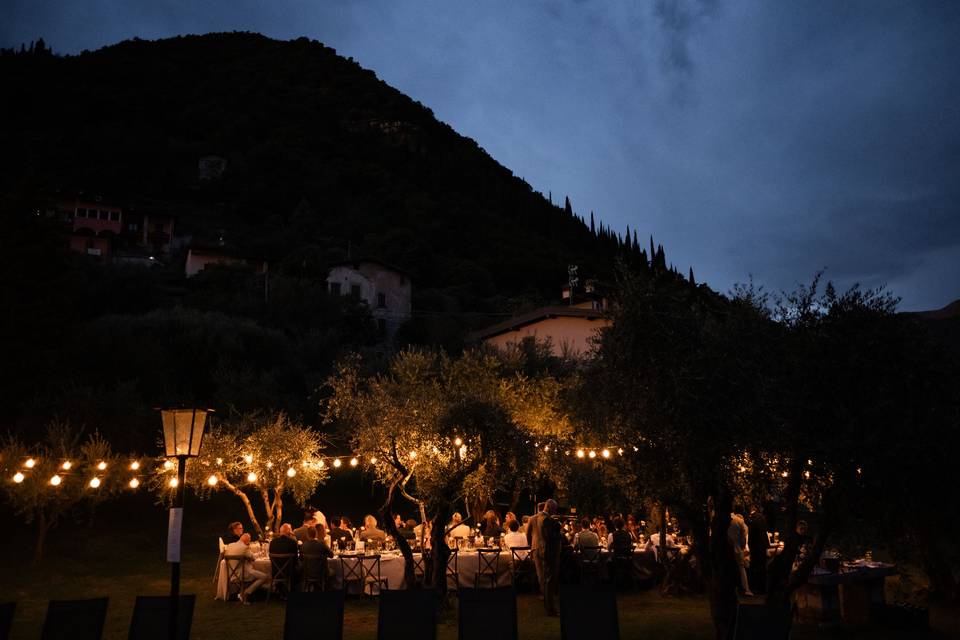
x=407, y=613
x=588, y=613
x=75, y=619
x=453, y=572
x=314, y=572
x=760, y=622
x=281, y=572
x=478, y=607
x=308, y=612
x=236, y=574
x=488, y=566
x=6, y=618
x=151, y=617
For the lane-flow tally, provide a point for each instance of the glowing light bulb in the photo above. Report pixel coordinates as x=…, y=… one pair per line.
x=546, y=448
x=173, y=483
x=269, y=465
x=167, y=465
x=134, y=465
x=101, y=465
x=212, y=481
x=291, y=472
x=18, y=477
x=785, y=474
x=66, y=465
x=251, y=477
x=322, y=464
x=605, y=453
x=337, y=463
x=413, y=455
x=219, y=461
x=94, y=483
x=354, y=462
x=580, y=453
x=29, y=463
x=134, y=483
x=56, y=480
x=619, y=452
x=806, y=474
x=593, y=454
x=248, y=458
x=457, y=441
x=742, y=469
x=373, y=461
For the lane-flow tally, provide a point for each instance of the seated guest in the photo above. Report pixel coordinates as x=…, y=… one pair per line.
x=234, y=531
x=285, y=542
x=241, y=548
x=340, y=532
x=585, y=537
x=309, y=522
x=423, y=531
x=510, y=515
x=514, y=538
x=619, y=541
x=523, y=524
x=370, y=531
x=632, y=529
x=456, y=528
x=490, y=528
x=406, y=530
x=314, y=544
x=397, y=521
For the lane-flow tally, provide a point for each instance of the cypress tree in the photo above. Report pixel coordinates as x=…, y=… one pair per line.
x=636, y=245
x=692, y=281
x=567, y=209
x=593, y=230
x=653, y=252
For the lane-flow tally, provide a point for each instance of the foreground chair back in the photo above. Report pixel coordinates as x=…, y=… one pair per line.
x=588, y=613
x=315, y=614
x=407, y=613
x=760, y=622
x=281, y=572
x=151, y=617
x=479, y=608
x=6, y=618
x=75, y=619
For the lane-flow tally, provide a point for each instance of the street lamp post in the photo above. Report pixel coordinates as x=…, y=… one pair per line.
x=182, y=435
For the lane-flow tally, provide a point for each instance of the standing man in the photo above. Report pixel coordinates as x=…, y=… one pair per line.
x=543, y=537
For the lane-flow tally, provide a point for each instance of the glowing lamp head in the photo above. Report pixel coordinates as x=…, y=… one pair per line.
x=291, y=472
x=134, y=483
x=580, y=453
x=18, y=477
x=173, y=483
x=167, y=465
x=134, y=465
x=458, y=441
x=605, y=453
x=94, y=483
x=56, y=480
x=66, y=465
x=183, y=431
x=248, y=459
x=30, y=463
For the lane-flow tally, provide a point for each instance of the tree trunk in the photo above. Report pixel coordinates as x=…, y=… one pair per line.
x=278, y=506
x=515, y=497
x=441, y=552
x=662, y=551
x=386, y=513
x=268, y=507
x=721, y=567
x=246, y=502
x=44, y=525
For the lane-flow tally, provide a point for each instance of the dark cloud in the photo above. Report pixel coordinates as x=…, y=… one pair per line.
x=750, y=137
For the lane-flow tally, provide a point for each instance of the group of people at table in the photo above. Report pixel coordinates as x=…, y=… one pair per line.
x=542, y=537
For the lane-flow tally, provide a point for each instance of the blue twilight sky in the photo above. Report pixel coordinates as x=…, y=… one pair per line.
x=749, y=137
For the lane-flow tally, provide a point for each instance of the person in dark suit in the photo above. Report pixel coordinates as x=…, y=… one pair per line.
x=340, y=532
x=406, y=530
x=544, y=538
x=285, y=542
x=759, y=543
x=234, y=531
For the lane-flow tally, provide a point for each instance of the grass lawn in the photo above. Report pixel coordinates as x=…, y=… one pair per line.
x=121, y=556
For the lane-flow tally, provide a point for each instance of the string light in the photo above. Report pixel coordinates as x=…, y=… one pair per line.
x=806, y=474
x=134, y=483
x=101, y=466
x=291, y=472
x=219, y=461
x=785, y=474
x=248, y=459
x=173, y=483
x=212, y=481
x=353, y=462
x=134, y=465
x=66, y=465
x=251, y=477
x=605, y=453
x=94, y=482
x=18, y=477
x=337, y=463
x=322, y=464
x=580, y=453
x=413, y=455
x=56, y=480
x=269, y=465
x=546, y=448
x=373, y=461
x=168, y=465
x=619, y=452
x=593, y=454
x=457, y=441
x=29, y=463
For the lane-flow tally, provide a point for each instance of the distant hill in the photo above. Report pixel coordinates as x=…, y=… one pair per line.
x=321, y=156
x=943, y=324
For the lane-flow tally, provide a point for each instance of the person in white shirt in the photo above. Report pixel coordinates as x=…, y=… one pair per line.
x=514, y=538
x=654, y=542
x=738, y=535
x=457, y=529
x=242, y=548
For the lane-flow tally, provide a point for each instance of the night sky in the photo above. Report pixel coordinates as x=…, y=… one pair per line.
x=763, y=138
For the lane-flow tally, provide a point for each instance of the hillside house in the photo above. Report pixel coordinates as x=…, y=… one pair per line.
x=386, y=290
x=199, y=257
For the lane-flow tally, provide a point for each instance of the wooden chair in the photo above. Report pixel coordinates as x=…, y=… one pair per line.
x=588, y=613
x=351, y=570
x=760, y=622
x=453, y=572
x=151, y=617
x=422, y=567
x=309, y=612
x=313, y=570
x=621, y=568
x=478, y=607
x=488, y=565
x=407, y=613
x=370, y=565
x=236, y=575
x=216, y=572
x=282, y=566
x=75, y=619
x=7, y=610
x=522, y=568
x=590, y=562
